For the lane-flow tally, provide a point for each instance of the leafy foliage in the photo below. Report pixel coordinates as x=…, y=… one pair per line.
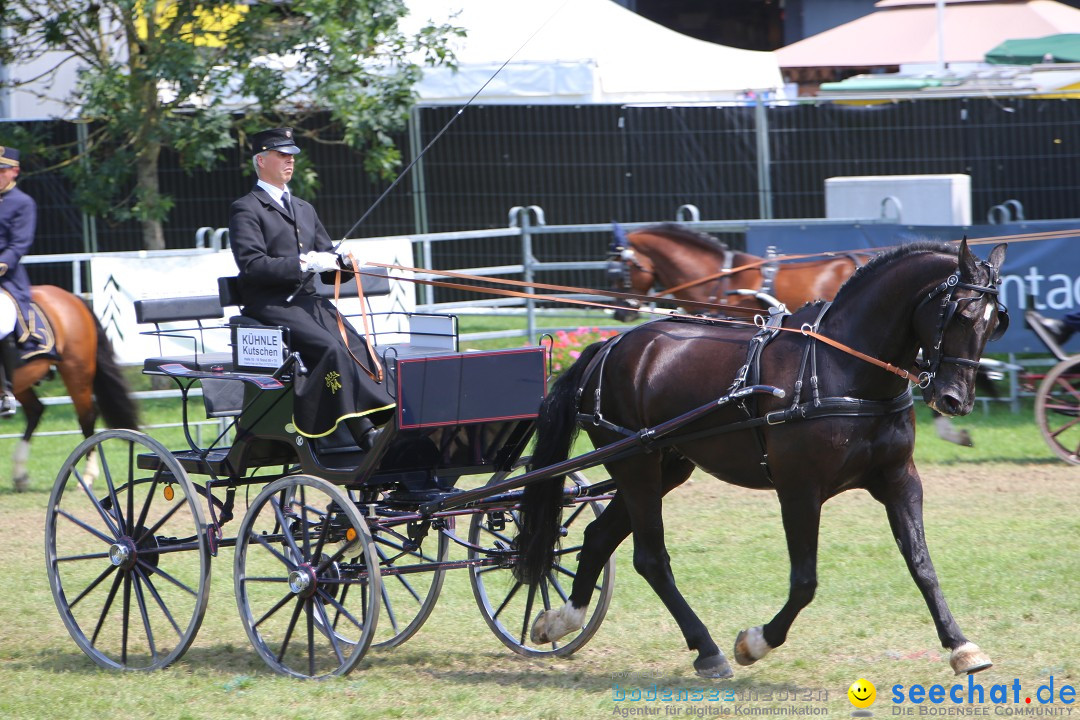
x=185, y=75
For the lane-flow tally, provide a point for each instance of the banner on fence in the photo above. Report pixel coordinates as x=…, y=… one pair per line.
x=1045, y=273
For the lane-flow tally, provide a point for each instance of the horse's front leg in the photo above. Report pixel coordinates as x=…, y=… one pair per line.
x=801, y=513
x=902, y=497
x=33, y=409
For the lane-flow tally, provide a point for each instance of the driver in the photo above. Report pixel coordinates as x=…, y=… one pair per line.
x=276, y=239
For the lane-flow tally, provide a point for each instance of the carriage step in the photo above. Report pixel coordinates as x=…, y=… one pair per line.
x=213, y=463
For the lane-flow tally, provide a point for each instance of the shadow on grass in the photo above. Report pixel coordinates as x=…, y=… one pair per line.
x=478, y=669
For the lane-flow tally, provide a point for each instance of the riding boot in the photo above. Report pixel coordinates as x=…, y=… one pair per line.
x=363, y=431
x=9, y=361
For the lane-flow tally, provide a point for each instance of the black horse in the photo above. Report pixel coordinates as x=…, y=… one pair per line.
x=845, y=423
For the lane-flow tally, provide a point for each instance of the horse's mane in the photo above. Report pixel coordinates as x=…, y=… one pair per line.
x=681, y=233
x=872, y=267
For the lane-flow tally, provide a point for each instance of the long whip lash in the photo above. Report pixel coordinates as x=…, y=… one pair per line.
x=304, y=281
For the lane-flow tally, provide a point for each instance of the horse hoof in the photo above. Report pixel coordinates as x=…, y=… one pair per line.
x=750, y=646
x=22, y=484
x=968, y=659
x=714, y=667
x=539, y=632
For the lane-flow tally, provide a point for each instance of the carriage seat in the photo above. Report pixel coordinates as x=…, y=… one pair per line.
x=221, y=398
x=161, y=311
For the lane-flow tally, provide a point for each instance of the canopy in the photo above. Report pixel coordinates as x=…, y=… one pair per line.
x=583, y=51
x=1064, y=48
x=905, y=32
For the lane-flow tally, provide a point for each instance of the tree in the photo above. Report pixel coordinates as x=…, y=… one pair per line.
x=194, y=76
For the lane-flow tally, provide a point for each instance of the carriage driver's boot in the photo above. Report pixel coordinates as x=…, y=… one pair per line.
x=9, y=361
x=363, y=431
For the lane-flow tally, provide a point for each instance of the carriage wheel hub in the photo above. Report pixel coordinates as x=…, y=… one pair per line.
x=122, y=553
x=302, y=581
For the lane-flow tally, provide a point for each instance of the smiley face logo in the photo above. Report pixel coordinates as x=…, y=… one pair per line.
x=862, y=693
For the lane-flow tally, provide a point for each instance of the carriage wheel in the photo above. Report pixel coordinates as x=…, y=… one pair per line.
x=127, y=555
x=1057, y=409
x=307, y=578
x=509, y=607
x=410, y=589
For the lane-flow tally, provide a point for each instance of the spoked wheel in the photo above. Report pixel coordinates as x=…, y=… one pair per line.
x=410, y=584
x=127, y=552
x=509, y=607
x=307, y=578
x=1057, y=409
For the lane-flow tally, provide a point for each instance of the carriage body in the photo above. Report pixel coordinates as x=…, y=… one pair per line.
x=334, y=538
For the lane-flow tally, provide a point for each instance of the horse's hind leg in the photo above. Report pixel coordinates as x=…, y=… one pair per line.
x=79, y=382
x=902, y=497
x=641, y=484
x=801, y=513
x=602, y=536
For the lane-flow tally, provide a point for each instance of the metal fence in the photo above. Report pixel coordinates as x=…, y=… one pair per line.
x=597, y=163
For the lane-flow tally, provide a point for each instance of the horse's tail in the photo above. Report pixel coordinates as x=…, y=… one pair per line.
x=110, y=388
x=541, y=503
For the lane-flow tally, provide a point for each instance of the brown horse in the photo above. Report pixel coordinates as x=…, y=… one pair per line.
x=86, y=365
x=835, y=419
x=660, y=257
x=671, y=256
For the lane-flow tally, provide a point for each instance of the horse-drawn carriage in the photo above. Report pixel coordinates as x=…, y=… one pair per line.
x=339, y=550
x=331, y=555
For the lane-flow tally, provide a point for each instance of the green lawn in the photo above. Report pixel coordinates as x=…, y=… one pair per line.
x=1001, y=524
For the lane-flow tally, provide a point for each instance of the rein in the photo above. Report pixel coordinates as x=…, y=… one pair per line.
x=806, y=330
x=377, y=374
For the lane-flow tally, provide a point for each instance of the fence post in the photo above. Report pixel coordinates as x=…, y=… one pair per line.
x=522, y=217
x=761, y=129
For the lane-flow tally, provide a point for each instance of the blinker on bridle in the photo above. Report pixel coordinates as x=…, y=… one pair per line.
x=948, y=308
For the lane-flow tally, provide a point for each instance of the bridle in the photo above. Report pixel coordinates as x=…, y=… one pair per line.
x=948, y=306
x=621, y=258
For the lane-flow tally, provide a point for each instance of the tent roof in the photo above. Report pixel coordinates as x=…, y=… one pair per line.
x=905, y=32
x=1030, y=51
x=582, y=51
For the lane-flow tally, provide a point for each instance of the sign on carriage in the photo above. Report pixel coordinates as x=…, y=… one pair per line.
x=257, y=348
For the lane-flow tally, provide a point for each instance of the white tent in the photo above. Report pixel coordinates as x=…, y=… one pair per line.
x=582, y=51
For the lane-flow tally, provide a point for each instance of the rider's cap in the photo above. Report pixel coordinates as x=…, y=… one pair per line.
x=280, y=139
x=9, y=157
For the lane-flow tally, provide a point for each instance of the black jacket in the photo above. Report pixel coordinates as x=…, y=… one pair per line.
x=267, y=245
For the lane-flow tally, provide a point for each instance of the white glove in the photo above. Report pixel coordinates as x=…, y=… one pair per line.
x=320, y=261
x=343, y=260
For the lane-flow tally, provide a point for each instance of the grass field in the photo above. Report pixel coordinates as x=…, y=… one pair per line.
x=1001, y=524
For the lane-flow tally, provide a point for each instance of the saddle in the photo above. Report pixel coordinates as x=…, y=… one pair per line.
x=37, y=339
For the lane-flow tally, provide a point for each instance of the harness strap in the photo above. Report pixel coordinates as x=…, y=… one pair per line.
x=377, y=374
x=596, y=365
x=827, y=407
x=724, y=280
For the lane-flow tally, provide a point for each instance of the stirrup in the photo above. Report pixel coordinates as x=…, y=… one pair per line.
x=8, y=406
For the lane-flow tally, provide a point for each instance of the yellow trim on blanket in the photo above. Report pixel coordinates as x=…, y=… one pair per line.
x=337, y=422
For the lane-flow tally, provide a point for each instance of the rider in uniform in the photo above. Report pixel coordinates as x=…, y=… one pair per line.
x=277, y=239
x=18, y=218
x=1062, y=329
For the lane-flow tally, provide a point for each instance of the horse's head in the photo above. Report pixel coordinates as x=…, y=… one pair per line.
x=628, y=272
x=954, y=322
